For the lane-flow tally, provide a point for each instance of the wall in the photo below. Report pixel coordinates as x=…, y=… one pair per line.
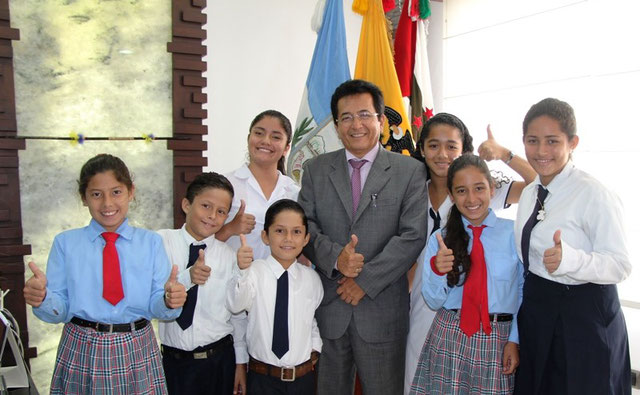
x=502, y=56
x=258, y=60
x=100, y=69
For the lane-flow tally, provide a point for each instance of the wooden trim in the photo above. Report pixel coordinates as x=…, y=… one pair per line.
x=194, y=113
x=12, y=249
x=8, y=33
x=12, y=144
x=187, y=84
x=187, y=48
x=197, y=97
x=189, y=128
x=189, y=80
x=189, y=32
x=195, y=16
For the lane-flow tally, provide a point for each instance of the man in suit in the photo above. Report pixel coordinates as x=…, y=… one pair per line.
x=368, y=224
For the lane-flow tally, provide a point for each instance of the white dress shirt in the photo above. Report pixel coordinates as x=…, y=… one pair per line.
x=420, y=315
x=246, y=187
x=211, y=319
x=255, y=291
x=590, y=218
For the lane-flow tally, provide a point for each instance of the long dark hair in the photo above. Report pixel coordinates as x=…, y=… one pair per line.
x=456, y=237
x=284, y=122
x=446, y=119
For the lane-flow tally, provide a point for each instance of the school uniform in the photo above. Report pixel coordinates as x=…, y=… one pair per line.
x=255, y=290
x=420, y=315
x=93, y=355
x=452, y=362
x=573, y=334
x=202, y=357
x=246, y=188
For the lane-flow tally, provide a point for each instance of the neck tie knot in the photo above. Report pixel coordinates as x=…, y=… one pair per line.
x=542, y=193
x=110, y=237
x=357, y=163
x=476, y=230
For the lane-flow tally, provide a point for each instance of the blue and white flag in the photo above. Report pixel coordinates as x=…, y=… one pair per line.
x=315, y=132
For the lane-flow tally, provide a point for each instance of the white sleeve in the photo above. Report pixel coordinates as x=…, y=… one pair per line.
x=499, y=200
x=240, y=292
x=608, y=262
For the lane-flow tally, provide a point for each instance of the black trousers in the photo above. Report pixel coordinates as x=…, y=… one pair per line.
x=213, y=375
x=573, y=340
x=259, y=384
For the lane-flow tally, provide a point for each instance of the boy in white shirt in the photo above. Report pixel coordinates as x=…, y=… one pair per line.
x=280, y=296
x=204, y=350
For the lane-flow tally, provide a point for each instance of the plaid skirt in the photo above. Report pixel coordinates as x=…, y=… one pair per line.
x=452, y=363
x=90, y=362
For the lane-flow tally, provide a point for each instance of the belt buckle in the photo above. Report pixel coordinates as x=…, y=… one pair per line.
x=200, y=355
x=293, y=374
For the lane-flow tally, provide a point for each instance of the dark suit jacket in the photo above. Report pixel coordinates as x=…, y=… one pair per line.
x=391, y=225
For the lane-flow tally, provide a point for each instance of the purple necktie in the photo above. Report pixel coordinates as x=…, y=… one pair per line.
x=356, y=188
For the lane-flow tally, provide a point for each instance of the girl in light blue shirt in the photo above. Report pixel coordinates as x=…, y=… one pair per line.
x=472, y=275
x=105, y=282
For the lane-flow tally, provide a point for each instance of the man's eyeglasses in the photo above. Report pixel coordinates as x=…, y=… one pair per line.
x=363, y=116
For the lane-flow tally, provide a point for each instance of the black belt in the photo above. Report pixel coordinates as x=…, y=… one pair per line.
x=100, y=327
x=203, y=352
x=497, y=317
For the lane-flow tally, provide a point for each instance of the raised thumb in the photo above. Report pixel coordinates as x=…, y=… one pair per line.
x=557, y=237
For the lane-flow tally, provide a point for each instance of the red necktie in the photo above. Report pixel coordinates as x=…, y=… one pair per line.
x=475, y=304
x=111, y=280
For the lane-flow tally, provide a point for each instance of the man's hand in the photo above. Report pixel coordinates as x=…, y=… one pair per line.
x=350, y=291
x=349, y=261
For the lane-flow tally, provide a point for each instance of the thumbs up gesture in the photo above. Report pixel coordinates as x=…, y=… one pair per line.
x=349, y=261
x=242, y=223
x=491, y=150
x=245, y=253
x=35, y=289
x=175, y=293
x=553, y=256
x=444, y=257
x=199, y=272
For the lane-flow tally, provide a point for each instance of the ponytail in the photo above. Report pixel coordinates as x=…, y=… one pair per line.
x=457, y=239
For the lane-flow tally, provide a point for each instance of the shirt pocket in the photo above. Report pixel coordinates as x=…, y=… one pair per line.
x=503, y=267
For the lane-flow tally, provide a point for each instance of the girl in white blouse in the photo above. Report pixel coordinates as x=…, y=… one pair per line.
x=260, y=182
x=569, y=231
